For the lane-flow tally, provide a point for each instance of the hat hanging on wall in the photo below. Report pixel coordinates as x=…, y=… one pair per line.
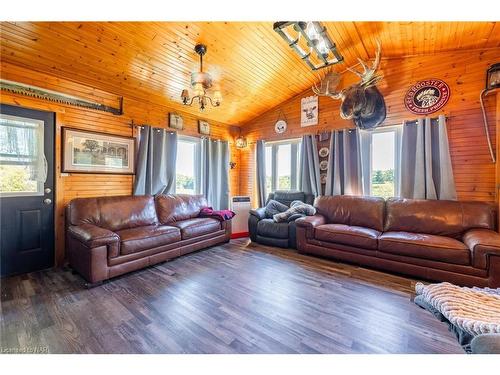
x=281, y=125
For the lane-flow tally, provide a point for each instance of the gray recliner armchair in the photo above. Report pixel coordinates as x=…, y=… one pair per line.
x=264, y=230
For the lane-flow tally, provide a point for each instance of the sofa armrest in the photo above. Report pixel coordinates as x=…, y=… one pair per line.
x=92, y=235
x=311, y=222
x=482, y=243
x=259, y=213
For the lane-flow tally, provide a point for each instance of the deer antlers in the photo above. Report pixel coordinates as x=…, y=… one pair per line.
x=328, y=83
x=368, y=77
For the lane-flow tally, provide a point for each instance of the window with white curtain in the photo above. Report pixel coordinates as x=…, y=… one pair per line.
x=282, y=165
x=381, y=161
x=186, y=176
x=22, y=161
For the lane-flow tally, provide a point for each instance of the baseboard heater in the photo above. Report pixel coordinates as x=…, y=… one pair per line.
x=241, y=206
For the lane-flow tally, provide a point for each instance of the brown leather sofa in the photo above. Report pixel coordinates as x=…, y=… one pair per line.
x=434, y=240
x=110, y=236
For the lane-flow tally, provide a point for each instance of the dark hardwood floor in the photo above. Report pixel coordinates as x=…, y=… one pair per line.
x=234, y=298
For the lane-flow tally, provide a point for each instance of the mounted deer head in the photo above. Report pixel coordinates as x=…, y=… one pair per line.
x=361, y=101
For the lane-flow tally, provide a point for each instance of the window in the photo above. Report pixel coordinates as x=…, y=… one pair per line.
x=384, y=162
x=282, y=165
x=22, y=160
x=186, y=172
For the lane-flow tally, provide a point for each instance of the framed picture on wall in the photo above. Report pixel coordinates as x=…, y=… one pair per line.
x=309, y=111
x=92, y=152
x=203, y=127
x=175, y=121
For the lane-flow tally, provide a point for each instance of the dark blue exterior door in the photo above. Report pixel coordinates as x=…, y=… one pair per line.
x=26, y=189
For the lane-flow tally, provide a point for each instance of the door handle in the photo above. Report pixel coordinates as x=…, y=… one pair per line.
x=47, y=201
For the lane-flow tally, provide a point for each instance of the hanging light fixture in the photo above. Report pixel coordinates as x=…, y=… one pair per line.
x=310, y=41
x=200, y=82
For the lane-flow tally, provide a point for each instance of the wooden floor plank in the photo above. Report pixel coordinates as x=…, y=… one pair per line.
x=234, y=298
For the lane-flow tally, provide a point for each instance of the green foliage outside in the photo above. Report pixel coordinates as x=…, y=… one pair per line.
x=15, y=178
x=284, y=183
x=383, y=183
x=184, y=184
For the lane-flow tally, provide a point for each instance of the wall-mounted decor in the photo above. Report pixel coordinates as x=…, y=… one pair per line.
x=175, y=121
x=323, y=152
x=322, y=178
x=427, y=96
x=310, y=41
x=241, y=142
x=200, y=82
x=280, y=126
x=323, y=165
x=362, y=102
x=58, y=97
x=203, y=127
x=92, y=152
x=309, y=111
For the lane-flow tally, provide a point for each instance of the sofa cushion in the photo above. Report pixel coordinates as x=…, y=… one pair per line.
x=147, y=237
x=427, y=246
x=358, y=211
x=178, y=207
x=348, y=235
x=113, y=213
x=268, y=228
x=197, y=227
x=438, y=217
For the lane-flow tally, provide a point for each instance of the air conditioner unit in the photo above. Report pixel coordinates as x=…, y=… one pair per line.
x=241, y=206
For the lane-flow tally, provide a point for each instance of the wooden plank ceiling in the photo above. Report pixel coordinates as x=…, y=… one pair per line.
x=152, y=61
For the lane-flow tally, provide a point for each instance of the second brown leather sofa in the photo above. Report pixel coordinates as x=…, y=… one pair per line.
x=110, y=236
x=435, y=240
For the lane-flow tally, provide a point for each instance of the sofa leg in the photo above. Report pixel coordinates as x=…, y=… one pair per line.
x=92, y=285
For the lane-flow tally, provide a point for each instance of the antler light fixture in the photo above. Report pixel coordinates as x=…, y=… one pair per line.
x=311, y=42
x=200, y=82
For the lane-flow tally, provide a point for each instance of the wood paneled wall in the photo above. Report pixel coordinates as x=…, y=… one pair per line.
x=89, y=185
x=465, y=73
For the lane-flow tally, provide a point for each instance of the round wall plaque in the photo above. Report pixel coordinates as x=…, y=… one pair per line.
x=427, y=96
x=323, y=165
x=323, y=152
x=280, y=126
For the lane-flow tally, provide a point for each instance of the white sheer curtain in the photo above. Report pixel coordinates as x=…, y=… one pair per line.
x=21, y=143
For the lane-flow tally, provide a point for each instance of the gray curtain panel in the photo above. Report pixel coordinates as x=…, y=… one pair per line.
x=155, y=173
x=344, y=175
x=215, y=172
x=426, y=170
x=309, y=176
x=261, y=173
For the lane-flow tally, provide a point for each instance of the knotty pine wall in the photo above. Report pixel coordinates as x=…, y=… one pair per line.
x=464, y=72
x=90, y=185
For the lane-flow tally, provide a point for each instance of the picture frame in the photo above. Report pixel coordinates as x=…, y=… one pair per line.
x=175, y=121
x=309, y=111
x=203, y=127
x=86, y=151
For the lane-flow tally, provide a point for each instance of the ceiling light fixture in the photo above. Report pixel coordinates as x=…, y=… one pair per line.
x=200, y=82
x=310, y=41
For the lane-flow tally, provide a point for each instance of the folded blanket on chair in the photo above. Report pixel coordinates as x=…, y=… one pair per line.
x=221, y=215
x=296, y=208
